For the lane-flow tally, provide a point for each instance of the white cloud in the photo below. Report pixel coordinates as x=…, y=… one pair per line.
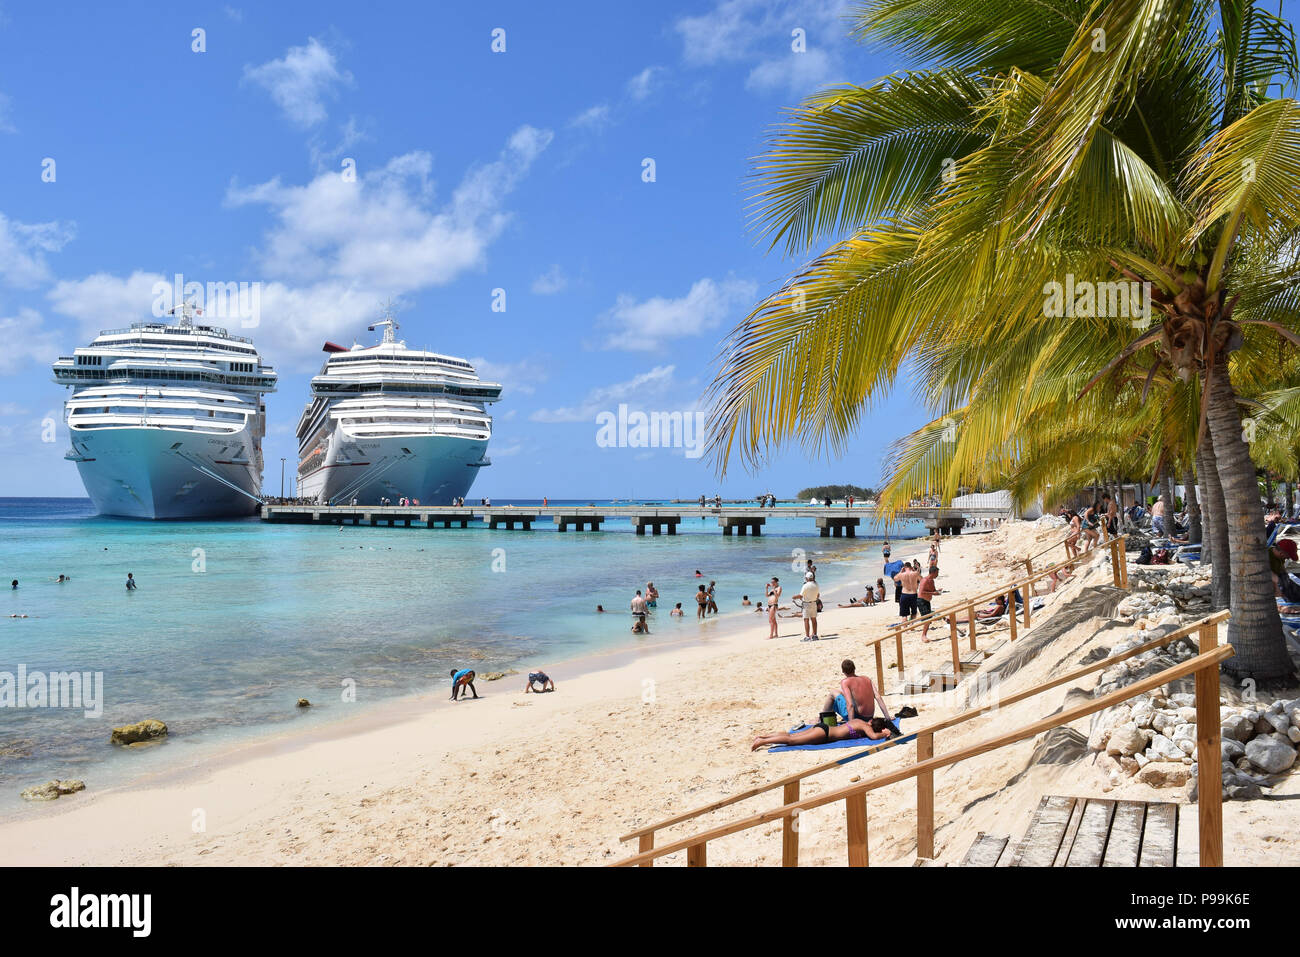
x=761, y=33
x=338, y=248
x=796, y=74
x=23, y=247
x=641, y=85
x=550, y=282
x=234, y=13
x=648, y=325
x=104, y=301
x=521, y=376
x=27, y=342
x=646, y=386
x=300, y=81
x=593, y=118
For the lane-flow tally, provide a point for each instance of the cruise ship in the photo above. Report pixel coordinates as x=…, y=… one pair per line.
x=166, y=419
x=390, y=422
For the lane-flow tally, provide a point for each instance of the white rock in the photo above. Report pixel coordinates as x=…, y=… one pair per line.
x=1127, y=739
x=1271, y=753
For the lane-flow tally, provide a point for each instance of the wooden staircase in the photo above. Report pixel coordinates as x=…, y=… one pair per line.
x=1086, y=832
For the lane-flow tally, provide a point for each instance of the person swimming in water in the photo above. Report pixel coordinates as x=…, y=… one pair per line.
x=677, y=610
x=130, y=582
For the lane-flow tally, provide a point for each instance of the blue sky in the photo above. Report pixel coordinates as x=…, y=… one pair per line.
x=476, y=171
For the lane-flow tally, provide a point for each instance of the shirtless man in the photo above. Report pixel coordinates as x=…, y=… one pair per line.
x=857, y=698
x=638, y=603
x=925, y=593
x=1158, y=516
x=908, y=578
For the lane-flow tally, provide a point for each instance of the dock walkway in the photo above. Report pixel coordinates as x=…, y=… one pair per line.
x=835, y=522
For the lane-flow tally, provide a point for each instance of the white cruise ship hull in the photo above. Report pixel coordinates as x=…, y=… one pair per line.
x=152, y=472
x=431, y=468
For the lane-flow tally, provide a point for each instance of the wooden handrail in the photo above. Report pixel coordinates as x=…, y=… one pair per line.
x=1202, y=662
x=1206, y=626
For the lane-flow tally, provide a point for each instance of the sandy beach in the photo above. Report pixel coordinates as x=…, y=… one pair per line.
x=555, y=779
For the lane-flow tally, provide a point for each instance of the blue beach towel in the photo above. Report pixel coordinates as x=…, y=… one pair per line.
x=846, y=743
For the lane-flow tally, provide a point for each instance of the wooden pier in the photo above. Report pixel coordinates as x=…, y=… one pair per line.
x=836, y=522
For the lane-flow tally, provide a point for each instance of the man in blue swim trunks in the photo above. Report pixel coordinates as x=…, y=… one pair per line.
x=460, y=680
x=857, y=692
x=539, y=678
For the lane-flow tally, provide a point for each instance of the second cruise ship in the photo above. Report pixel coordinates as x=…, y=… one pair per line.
x=166, y=419
x=390, y=422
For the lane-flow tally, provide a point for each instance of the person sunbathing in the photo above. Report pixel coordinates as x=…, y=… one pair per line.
x=866, y=601
x=991, y=612
x=877, y=729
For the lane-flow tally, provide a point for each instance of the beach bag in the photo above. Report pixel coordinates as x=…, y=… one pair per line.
x=1144, y=557
x=830, y=719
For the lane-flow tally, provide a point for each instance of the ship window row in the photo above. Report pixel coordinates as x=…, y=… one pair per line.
x=359, y=387
x=169, y=374
x=388, y=358
x=137, y=410
x=90, y=360
x=159, y=344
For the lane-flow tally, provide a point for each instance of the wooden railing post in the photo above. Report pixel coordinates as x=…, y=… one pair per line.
x=790, y=828
x=1011, y=612
x=952, y=627
x=1123, y=564
x=956, y=656
x=1114, y=563
x=647, y=843
x=697, y=855
x=880, y=670
x=925, y=797
x=855, y=812
x=898, y=650
x=1209, y=800
x=1029, y=593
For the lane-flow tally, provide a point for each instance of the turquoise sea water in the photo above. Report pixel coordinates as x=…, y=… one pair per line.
x=233, y=621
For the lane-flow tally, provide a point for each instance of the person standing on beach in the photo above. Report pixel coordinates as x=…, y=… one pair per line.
x=925, y=592
x=810, y=594
x=713, y=602
x=771, y=619
x=460, y=680
x=891, y=571
x=774, y=593
x=908, y=579
x=701, y=601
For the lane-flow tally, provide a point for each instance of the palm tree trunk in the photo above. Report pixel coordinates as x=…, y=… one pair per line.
x=1214, y=546
x=1193, y=508
x=1254, y=630
x=1167, y=496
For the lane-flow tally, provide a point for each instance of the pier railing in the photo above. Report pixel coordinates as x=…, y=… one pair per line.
x=1204, y=666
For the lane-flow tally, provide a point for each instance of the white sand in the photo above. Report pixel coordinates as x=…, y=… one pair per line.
x=557, y=778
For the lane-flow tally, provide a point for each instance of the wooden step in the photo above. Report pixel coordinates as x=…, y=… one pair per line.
x=1042, y=841
x=972, y=660
x=1090, y=832
x=986, y=851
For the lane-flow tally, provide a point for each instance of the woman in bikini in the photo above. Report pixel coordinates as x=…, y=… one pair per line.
x=877, y=729
x=1072, y=537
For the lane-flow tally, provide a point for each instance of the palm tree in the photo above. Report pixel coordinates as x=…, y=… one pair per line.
x=1048, y=143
